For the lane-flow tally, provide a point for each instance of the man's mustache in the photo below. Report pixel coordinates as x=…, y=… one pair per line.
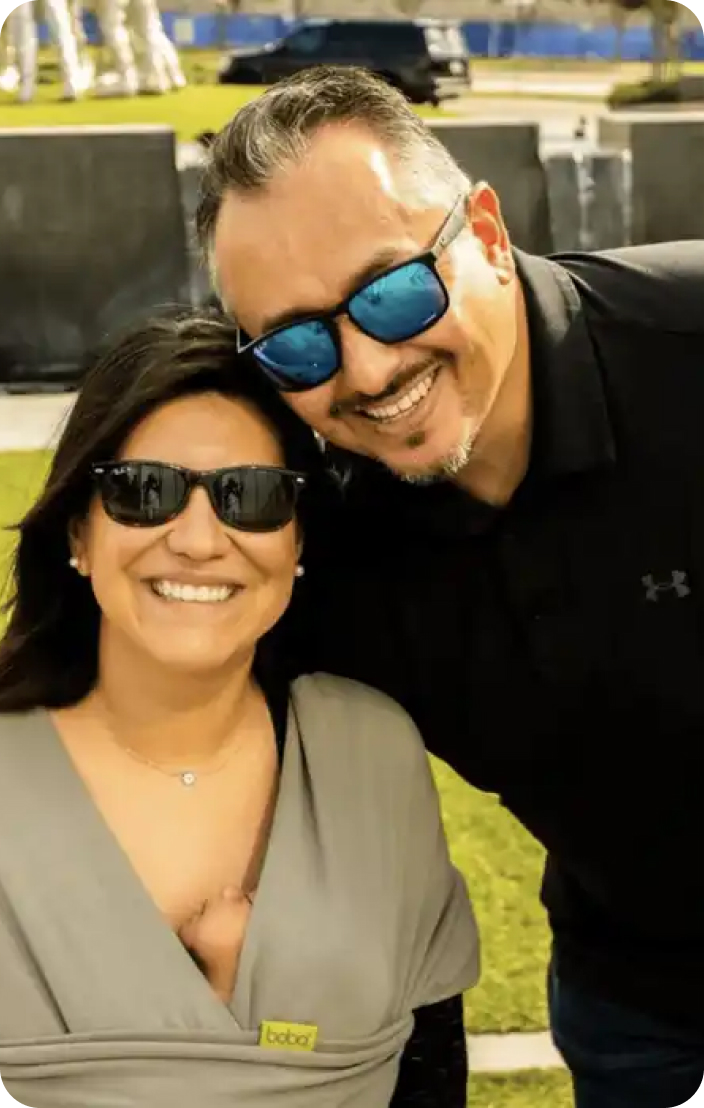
x=396, y=386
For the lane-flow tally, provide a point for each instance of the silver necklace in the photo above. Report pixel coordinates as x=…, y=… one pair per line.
x=189, y=778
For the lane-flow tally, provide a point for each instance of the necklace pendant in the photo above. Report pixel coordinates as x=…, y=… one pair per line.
x=188, y=779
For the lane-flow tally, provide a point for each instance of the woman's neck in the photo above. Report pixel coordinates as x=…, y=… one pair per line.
x=169, y=716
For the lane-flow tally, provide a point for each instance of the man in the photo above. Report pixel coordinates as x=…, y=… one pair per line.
x=519, y=552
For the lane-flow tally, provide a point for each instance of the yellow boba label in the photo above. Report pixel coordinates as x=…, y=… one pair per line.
x=275, y=1035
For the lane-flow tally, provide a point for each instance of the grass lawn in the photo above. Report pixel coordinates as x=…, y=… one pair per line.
x=501, y=862
x=200, y=107
x=578, y=67
x=203, y=106
x=188, y=112
x=533, y=1089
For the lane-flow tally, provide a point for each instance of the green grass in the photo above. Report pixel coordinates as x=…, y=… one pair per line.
x=499, y=859
x=20, y=478
x=579, y=67
x=532, y=1089
x=188, y=112
x=203, y=106
x=503, y=867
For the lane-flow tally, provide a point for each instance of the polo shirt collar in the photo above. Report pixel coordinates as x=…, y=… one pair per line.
x=571, y=428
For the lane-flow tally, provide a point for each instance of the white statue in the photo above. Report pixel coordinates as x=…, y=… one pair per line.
x=9, y=73
x=143, y=57
x=22, y=45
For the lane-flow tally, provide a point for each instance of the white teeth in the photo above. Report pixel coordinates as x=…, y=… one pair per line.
x=193, y=594
x=408, y=401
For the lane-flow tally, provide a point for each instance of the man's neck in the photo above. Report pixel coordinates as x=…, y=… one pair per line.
x=501, y=453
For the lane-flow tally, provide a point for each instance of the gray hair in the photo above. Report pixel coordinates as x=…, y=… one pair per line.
x=276, y=130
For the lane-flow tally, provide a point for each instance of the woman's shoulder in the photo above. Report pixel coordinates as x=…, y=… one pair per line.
x=11, y=721
x=360, y=717
x=16, y=725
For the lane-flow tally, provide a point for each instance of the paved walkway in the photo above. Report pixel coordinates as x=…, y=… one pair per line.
x=521, y=83
x=32, y=422
x=509, y=1053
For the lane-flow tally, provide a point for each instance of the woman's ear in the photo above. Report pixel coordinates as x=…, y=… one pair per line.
x=77, y=546
x=299, y=551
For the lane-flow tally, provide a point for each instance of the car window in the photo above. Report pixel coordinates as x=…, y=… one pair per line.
x=399, y=38
x=445, y=40
x=360, y=39
x=348, y=39
x=307, y=40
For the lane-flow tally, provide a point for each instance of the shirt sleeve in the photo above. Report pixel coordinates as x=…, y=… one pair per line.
x=434, y=1068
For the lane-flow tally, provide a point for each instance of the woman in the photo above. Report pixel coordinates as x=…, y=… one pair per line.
x=215, y=888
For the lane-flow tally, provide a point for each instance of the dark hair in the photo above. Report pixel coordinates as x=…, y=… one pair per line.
x=48, y=656
x=276, y=128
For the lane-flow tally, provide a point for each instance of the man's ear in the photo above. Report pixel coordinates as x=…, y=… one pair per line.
x=487, y=224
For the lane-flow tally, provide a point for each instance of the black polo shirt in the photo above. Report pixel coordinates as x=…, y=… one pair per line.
x=552, y=651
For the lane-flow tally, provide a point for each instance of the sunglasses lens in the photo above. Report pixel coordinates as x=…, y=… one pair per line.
x=400, y=304
x=298, y=357
x=256, y=499
x=141, y=494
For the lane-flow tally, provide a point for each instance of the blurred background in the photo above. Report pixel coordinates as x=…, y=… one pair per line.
x=586, y=116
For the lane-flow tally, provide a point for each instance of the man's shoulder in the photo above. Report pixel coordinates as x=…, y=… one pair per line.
x=657, y=287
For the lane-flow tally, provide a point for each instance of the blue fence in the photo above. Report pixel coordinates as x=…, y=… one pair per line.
x=485, y=40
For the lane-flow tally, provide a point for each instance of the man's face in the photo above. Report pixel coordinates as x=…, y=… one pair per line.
x=324, y=227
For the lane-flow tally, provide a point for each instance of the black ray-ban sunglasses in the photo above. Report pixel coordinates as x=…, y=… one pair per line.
x=400, y=304
x=246, y=498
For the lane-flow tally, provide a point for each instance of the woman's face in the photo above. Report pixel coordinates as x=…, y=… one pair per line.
x=138, y=574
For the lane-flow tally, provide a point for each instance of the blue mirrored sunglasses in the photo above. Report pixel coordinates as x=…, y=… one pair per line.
x=398, y=305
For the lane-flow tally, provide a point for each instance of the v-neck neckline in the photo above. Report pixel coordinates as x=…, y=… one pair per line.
x=129, y=894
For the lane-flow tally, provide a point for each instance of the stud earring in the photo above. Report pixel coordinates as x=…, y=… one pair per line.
x=300, y=570
x=73, y=562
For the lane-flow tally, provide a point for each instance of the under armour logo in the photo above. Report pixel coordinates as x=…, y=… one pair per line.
x=677, y=584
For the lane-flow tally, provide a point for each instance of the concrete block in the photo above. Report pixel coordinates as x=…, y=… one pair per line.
x=92, y=237
x=507, y=156
x=667, y=166
x=566, y=215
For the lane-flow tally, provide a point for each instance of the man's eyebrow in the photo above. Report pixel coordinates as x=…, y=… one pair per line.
x=378, y=263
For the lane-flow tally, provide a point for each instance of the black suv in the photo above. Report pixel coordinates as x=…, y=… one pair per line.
x=426, y=59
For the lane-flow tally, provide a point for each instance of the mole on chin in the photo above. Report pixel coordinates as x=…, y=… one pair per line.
x=415, y=440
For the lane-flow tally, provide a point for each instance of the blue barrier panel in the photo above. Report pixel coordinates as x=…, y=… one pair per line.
x=478, y=38
x=200, y=31
x=507, y=40
x=222, y=30
x=571, y=40
x=484, y=39
x=638, y=45
x=693, y=45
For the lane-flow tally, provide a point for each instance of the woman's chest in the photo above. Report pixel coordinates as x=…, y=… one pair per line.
x=188, y=843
